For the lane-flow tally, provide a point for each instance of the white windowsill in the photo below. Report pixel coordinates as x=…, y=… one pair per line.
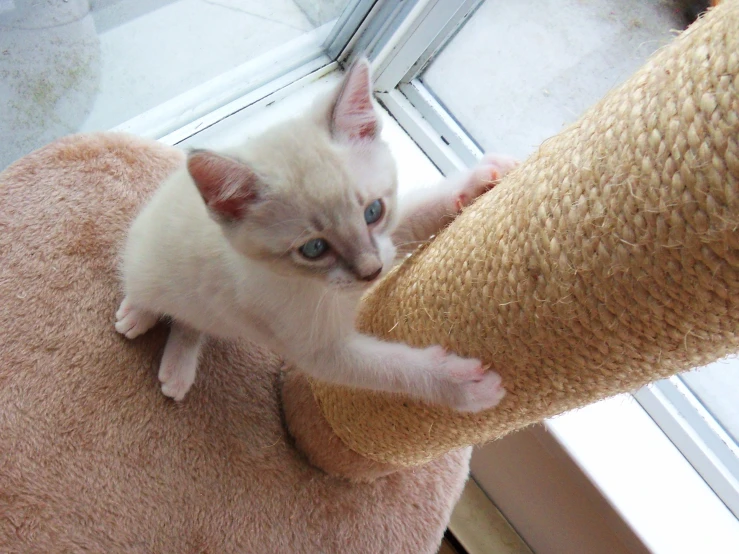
x=645, y=478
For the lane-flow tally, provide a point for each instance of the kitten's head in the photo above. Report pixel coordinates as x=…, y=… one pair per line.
x=315, y=196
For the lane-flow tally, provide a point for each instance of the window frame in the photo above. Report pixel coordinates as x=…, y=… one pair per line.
x=427, y=28
x=697, y=434
x=270, y=76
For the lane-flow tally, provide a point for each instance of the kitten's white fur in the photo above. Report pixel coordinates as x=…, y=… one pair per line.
x=217, y=250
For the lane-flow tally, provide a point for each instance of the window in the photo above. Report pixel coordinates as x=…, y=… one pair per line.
x=151, y=67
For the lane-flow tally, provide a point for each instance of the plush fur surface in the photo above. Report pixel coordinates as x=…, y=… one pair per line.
x=93, y=458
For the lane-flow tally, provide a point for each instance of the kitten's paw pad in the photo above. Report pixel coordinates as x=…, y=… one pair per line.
x=481, y=394
x=175, y=381
x=132, y=321
x=491, y=169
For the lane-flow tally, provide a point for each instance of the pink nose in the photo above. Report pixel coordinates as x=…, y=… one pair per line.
x=371, y=276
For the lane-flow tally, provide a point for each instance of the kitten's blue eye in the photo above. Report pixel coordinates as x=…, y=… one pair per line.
x=373, y=212
x=314, y=248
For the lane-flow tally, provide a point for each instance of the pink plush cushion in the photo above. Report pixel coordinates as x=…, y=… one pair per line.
x=94, y=458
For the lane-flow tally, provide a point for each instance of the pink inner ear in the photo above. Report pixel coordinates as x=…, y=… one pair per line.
x=354, y=115
x=227, y=186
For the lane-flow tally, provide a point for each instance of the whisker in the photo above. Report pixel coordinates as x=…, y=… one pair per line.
x=401, y=244
x=314, y=320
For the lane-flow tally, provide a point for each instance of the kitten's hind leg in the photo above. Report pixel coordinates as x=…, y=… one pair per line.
x=180, y=361
x=133, y=321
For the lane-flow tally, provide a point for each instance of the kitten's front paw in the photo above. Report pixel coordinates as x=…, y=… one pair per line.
x=466, y=384
x=480, y=179
x=132, y=321
x=482, y=394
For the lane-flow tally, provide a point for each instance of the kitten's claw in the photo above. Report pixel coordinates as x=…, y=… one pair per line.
x=132, y=321
x=491, y=169
x=467, y=384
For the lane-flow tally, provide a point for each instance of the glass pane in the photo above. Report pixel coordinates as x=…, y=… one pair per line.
x=717, y=387
x=82, y=65
x=517, y=72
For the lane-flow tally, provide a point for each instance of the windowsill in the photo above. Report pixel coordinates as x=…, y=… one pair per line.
x=645, y=478
x=603, y=478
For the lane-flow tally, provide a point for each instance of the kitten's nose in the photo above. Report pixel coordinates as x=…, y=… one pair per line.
x=371, y=276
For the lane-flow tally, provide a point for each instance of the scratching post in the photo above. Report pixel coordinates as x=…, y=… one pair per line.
x=607, y=260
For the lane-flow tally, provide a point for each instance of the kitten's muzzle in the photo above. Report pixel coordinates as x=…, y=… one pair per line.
x=366, y=266
x=371, y=276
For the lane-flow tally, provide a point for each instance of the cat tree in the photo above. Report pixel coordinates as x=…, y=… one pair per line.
x=607, y=260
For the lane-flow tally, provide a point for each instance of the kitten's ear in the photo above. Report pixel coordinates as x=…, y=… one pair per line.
x=354, y=116
x=227, y=186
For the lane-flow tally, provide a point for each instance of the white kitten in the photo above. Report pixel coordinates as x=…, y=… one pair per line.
x=276, y=241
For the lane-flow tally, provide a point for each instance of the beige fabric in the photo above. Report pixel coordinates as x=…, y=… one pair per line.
x=609, y=259
x=93, y=458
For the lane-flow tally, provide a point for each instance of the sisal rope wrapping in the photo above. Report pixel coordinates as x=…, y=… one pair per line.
x=607, y=260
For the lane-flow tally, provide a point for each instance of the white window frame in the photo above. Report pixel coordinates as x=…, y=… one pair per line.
x=429, y=25
x=271, y=74
x=409, y=47
x=697, y=434
x=363, y=24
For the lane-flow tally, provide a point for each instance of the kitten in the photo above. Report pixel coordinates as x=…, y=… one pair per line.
x=276, y=241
